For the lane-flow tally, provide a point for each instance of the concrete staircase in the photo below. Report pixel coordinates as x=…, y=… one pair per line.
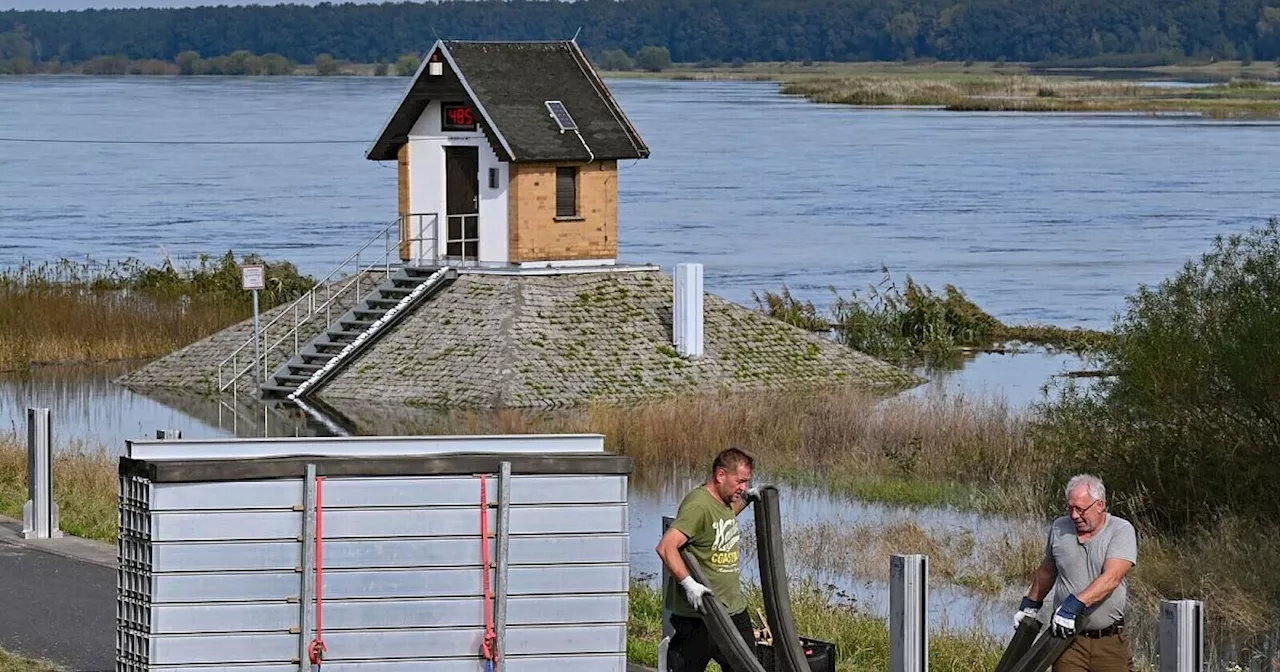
x=321, y=358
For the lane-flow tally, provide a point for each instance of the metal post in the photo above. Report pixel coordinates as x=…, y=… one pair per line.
x=908, y=613
x=1181, y=636
x=503, y=553
x=257, y=338
x=163, y=434
x=307, y=617
x=40, y=512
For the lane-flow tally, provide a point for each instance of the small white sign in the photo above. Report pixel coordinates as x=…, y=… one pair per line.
x=253, y=276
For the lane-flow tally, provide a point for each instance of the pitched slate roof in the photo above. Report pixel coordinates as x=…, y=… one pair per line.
x=510, y=83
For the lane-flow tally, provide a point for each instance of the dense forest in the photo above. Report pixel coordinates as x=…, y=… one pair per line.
x=707, y=31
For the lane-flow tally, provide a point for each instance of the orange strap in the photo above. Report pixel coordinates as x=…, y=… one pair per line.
x=490, y=637
x=317, y=646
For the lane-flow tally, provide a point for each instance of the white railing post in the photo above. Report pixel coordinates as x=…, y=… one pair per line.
x=1181, y=636
x=40, y=512
x=908, y=613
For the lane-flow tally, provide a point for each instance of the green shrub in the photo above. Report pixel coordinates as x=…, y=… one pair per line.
x=1187, y=426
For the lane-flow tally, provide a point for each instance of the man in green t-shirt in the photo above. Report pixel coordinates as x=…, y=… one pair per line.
x=706, y=525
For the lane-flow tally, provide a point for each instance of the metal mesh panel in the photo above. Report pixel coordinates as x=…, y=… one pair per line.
x=133, y=595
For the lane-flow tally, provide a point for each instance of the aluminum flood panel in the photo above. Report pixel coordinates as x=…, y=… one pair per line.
x=191, y=619
x=354, y=492
x=386, y=583
x=397, y=643
x=420, y=522
x=562, y=663
x=204, y=556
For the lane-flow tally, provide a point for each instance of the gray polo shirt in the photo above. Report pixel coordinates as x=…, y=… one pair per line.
x=1079, y=564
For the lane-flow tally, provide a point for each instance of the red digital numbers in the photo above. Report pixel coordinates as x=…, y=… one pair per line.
x=459, y=118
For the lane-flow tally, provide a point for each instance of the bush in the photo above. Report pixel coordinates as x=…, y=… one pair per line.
x=653, y=59
x=407, y=65
x=615, y=59
x=1188, y=423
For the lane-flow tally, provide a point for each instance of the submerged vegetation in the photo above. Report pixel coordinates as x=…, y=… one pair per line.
x=1029, y=93
x=914, y=322
x=95, y=312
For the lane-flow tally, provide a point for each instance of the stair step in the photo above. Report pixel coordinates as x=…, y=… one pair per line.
x=408, y=283
x=375, y=313
x=292, y=378
x=278, y=389
x=357, y=324
x=329, y=345
x=346, y=336
x=398, y=291
x=381, y=302
x=306, y=367
x=322, y=356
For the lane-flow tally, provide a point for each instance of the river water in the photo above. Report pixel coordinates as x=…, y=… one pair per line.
x=1038, y=218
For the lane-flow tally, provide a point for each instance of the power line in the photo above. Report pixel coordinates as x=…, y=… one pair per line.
x=66, y=141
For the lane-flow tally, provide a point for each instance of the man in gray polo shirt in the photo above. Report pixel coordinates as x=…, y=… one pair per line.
x=1088, y=554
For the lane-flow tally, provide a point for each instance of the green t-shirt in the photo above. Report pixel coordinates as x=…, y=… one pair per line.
x=714, y=540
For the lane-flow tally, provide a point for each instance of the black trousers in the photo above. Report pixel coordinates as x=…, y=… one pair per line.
x=691, y=647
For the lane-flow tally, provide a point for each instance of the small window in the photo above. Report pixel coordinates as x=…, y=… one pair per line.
x=493, y=178
x=566, y=192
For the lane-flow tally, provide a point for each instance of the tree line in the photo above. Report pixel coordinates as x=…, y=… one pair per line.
x=715, y=31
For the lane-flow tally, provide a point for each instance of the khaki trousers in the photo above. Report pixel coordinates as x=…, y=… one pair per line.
x=1105, y=654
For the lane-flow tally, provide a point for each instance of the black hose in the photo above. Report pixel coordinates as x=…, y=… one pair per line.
x=787, y=649
x=1019, y=644
x=1045, y=652
x=724, y=633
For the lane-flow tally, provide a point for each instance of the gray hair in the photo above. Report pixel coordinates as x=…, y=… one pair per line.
x=1094, y=485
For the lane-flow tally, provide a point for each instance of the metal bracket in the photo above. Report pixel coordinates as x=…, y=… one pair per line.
x=40, y=512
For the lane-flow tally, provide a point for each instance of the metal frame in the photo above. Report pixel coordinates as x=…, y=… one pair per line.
x=40, y=512
x=1181, y=636
x=422, y=229
x=908, y=613
x=361, y=446
x=502, y=564
x=463, y=240
x=307, y=617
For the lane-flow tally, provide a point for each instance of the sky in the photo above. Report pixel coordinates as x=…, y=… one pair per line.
x=102, y=4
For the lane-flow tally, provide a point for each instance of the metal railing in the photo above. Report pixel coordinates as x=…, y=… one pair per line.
x=320, y=298
x=420, y=230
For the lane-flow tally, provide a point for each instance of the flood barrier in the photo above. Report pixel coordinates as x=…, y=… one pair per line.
x=1046, y=650
x=386, y=556
x=724, y=633
x=788, y=653
x=1023, y=637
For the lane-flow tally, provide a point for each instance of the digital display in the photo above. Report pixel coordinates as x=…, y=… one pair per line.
x=458, y=117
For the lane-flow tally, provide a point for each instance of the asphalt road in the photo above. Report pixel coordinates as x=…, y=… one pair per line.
x=57, y=609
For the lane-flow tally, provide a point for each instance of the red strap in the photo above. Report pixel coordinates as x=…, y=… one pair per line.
x=490, y=637
x=317, y=647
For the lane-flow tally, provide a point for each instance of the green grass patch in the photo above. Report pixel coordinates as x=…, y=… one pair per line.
x=13, y=663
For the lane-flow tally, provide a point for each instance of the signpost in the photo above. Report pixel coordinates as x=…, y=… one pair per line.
x=254, y=277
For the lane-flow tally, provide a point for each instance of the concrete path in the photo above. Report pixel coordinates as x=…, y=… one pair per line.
x=57, y=600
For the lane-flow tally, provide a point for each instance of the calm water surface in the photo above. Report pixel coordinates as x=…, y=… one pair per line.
x=1038, y=218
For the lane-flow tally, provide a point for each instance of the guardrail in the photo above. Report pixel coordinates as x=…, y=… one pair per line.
x=319, y=298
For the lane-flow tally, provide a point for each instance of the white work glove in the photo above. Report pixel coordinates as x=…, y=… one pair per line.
x=1064, y=619
x=694, y=591
x=1028, y=609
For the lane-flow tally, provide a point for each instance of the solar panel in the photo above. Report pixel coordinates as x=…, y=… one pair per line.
x=561, y=115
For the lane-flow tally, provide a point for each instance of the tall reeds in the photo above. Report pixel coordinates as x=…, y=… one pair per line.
x=92, y=312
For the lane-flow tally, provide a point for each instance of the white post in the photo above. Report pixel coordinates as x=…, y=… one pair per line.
x=908, y=613
x=686, y=317
x=1181, y=636
x=253, y=277
x=40, y=512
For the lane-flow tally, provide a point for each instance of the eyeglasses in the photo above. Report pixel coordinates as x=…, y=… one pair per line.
x=1079, y=511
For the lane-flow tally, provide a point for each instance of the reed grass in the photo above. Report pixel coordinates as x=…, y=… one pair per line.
x=85, y=488
x=913, y=323
x=1031, y=93
x=79, y=312
x=10, y=662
